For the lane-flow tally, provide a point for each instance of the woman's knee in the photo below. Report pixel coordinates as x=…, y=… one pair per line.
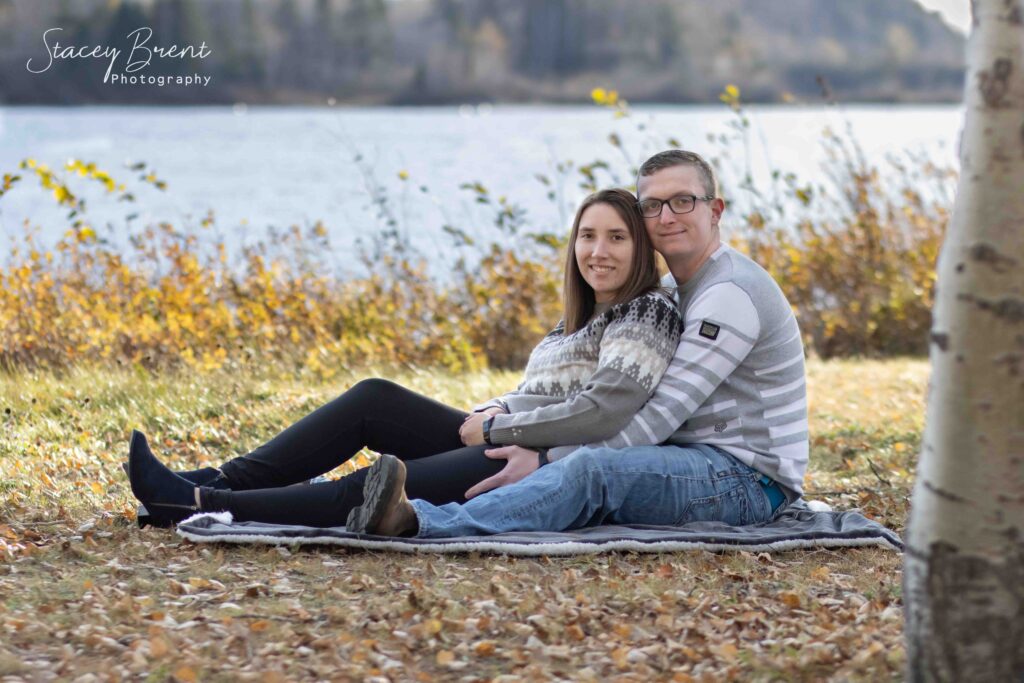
x=375, y=388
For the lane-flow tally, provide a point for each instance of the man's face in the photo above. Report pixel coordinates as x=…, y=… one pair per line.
x=681, y=238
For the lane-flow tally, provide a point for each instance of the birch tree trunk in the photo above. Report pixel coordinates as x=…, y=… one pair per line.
x=964, y=567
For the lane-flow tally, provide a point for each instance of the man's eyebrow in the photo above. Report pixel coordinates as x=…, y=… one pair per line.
x=687, y=193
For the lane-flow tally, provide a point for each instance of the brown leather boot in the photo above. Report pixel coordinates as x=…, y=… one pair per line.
x=385, y=510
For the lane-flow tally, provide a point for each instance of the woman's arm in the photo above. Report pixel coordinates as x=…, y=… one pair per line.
x=636, y=348
x=498, y=404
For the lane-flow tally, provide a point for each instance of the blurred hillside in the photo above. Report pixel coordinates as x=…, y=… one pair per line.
x=439, y=51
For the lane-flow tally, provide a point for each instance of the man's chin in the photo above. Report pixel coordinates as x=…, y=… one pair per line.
x=669, y=251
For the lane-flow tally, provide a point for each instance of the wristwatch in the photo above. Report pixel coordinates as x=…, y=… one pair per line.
x=487, y=430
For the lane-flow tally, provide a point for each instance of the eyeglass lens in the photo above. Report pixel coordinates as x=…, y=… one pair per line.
x=681, y=204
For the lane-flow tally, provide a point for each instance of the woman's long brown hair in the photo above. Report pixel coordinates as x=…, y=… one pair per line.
x=577, y=294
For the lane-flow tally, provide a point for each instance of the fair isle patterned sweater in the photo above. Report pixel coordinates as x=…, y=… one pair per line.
x=587, y=385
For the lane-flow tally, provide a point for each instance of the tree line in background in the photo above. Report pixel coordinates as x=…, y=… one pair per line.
x=438, y=51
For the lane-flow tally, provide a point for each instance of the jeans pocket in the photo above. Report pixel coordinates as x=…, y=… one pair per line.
x=729, y=507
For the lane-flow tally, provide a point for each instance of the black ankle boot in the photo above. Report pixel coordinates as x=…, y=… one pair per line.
x=209, y=477
x=162, y=492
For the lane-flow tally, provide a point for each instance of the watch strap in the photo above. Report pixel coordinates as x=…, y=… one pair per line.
x=487, y=430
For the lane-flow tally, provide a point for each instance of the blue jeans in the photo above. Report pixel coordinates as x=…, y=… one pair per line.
x=668, y=485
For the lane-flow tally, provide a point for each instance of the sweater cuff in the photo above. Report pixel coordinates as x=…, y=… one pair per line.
x=502, y=430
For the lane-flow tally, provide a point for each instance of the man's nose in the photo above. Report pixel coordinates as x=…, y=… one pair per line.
x=667, y=215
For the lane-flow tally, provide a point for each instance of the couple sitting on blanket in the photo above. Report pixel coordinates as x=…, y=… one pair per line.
x=646, y=404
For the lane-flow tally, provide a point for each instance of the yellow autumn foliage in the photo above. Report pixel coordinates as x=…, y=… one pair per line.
x=170, y=304
x=858, y=266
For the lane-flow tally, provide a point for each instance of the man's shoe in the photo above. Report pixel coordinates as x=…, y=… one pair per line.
x=163, y=493
x=385, y=510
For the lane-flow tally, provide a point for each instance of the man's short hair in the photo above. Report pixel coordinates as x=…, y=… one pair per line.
x=679, y=157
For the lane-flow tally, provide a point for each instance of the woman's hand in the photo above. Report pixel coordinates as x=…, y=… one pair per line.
x=472, y=426
x=472, y=430
x=521, y=462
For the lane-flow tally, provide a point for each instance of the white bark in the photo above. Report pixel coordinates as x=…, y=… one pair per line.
x=964, y=567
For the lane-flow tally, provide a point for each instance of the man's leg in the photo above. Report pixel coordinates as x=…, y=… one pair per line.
x=668, y=485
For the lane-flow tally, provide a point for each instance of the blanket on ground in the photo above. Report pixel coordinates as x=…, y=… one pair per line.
x=801, y=525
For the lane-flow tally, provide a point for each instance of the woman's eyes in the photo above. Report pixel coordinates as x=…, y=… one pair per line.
x=618, y=237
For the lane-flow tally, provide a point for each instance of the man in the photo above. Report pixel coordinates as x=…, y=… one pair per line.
x=730, y=412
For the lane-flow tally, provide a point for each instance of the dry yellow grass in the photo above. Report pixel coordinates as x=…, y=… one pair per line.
x=82, y=590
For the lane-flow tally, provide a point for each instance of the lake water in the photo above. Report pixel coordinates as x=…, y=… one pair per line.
x=260, y=167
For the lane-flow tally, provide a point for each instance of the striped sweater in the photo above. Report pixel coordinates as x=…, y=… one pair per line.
x=585, y=386
x=737, y=380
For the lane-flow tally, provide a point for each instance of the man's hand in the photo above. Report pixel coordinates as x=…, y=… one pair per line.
x=521, y=462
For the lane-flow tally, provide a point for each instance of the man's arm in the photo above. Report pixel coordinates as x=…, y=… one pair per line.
x=721, y=328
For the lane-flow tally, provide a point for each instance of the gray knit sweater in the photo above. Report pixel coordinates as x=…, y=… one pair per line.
x=587, y=385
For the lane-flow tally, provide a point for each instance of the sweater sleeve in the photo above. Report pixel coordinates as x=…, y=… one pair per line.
x=510, y=401
x=721, y=328
x=636, y=347
x=496, y=402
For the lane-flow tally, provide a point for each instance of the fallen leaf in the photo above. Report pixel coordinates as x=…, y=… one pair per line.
x=185, y=675
x=821, y=573
x=158, y=647
x=791, y=599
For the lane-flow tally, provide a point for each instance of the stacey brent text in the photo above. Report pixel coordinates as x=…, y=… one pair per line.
x=139, y=57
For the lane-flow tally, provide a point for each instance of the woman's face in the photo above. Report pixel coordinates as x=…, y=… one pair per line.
x=604, y=251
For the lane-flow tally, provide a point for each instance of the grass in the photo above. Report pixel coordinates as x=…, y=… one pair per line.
x=82, y=590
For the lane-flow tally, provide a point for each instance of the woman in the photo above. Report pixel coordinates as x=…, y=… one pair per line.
x=583, y=383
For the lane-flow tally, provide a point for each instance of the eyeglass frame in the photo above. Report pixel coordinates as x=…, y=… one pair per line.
x=663, y=202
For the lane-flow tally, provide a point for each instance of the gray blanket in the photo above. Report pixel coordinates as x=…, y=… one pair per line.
x=799, y=526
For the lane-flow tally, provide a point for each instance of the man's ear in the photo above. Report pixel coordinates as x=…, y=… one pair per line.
x=717, y=209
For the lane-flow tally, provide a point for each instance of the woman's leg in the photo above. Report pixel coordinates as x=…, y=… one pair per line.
x=442, y=478
x=374, y=413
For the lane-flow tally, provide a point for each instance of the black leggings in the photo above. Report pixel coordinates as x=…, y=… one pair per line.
x=375, y=413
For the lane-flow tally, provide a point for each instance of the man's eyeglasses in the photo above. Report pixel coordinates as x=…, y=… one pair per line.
x=684, y=203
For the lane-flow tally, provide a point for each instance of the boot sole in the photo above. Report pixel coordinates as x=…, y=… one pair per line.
x=379, y=488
